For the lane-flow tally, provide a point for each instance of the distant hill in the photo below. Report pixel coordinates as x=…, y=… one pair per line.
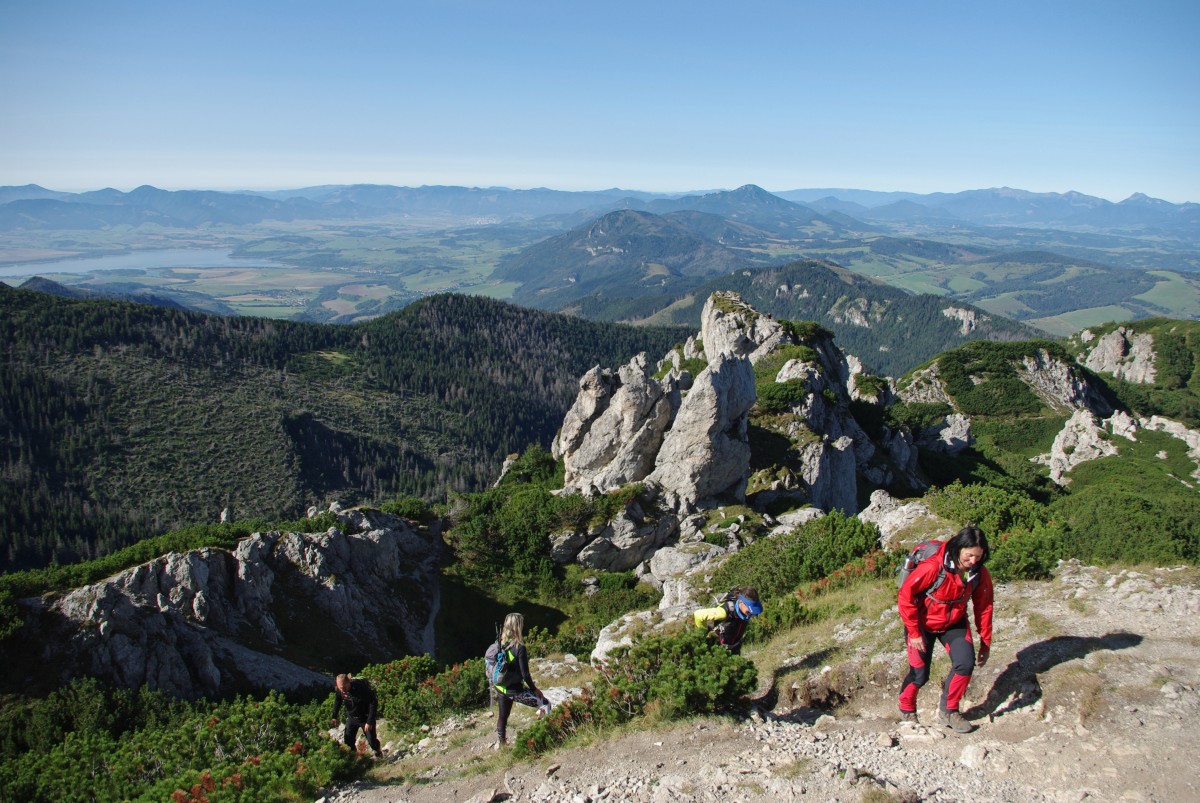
x=136, y=293
x=120, y=420
x=624, y=254
x=757, y=207
x=34, y=208
x=890, y=330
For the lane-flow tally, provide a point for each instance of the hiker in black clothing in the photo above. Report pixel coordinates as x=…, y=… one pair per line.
x=727, y=622
x=516, y=686
x=361, y=704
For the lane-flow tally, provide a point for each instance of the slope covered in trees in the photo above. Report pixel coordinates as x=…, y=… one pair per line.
x=889, y=329
x=119, y=421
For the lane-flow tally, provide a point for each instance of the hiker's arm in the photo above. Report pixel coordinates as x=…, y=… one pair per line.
x=372, y=705
x=707, y=617
x=337, y=706
x=981, y=601
x=523, y=665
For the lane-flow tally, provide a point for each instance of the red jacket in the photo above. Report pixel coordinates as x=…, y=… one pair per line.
x=920, y=613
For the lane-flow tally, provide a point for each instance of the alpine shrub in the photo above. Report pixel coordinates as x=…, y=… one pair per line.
x=1027, y=554
x=776, y=566
x=412, y=692
x=678, y=675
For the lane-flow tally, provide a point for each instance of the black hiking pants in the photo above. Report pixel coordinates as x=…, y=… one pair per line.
x=350, y=736
x=957, y=641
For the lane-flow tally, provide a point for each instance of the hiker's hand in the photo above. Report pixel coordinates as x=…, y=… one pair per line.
x=335, y=722
x=915, y=643
x=984, y=652
x=368, y=727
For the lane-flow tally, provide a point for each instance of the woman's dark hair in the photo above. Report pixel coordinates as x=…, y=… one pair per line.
x=749, y=592
x=968, y=536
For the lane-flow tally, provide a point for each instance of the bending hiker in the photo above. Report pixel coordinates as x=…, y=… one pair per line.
x=361, y=706
x=514, y=683
x=727, y=622
x=933, y=606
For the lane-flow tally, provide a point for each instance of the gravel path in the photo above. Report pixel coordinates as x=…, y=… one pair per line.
x=1093, y=693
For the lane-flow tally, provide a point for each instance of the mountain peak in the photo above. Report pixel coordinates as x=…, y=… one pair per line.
x=1142, y=199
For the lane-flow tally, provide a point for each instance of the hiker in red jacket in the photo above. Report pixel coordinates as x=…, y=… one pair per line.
x=933, y=606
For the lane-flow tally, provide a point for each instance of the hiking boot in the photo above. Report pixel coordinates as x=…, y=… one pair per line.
x=955, y=720
x=909, y=716
x=496, y=745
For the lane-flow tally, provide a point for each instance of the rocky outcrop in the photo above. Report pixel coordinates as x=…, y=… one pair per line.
x=895, y=518
x=926, y=387
x=1080, y=440
x=706, y=451
x=1122, y=353
x=1190, y=437
x=211, y=621
x=1059, y=385
x=613, y=431
x=950, y=436
x=630, y=538
x=967, y=319
x=1084, y=437
x=730, y=326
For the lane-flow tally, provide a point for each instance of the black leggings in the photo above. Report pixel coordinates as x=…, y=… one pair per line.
x=524, y=697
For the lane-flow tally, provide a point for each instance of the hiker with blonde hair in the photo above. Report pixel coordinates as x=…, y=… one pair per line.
x=514, y=683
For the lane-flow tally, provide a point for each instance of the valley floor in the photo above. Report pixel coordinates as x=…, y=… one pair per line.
x=1092, y=693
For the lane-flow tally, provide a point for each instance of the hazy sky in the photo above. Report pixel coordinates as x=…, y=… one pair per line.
x=1096, y=96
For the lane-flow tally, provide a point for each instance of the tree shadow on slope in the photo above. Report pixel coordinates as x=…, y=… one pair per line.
x=1017, y=684
x=807, y=700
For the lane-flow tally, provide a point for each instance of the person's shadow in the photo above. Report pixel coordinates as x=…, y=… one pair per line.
x=1017, y=685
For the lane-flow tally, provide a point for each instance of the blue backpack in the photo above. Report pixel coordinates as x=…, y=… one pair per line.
x=500, y=663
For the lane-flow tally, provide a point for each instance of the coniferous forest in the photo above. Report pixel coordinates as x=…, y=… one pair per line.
x=119, y=421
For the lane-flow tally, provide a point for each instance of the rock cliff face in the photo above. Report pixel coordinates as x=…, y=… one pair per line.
x=1122, y=353
x=1060, y=385
x=265, y=615
x=1085, y=437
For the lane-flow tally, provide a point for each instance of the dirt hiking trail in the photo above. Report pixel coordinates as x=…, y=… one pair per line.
x=1092, y=693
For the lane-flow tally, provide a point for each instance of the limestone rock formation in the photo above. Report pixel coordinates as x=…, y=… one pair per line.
x=966, y=318
x=211, y=621
x=730, y=326
x=1084, y=437
x=895, y=518
x=706, y=451
x=1060, y=386
x=613, y=431
x=1122, y=353
x=1081, y=439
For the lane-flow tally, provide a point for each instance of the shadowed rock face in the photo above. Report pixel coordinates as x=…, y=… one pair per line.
x=269, y=614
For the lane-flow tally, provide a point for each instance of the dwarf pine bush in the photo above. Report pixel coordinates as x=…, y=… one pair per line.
x=676, y=674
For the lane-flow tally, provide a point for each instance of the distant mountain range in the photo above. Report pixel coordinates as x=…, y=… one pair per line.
x=32, y=207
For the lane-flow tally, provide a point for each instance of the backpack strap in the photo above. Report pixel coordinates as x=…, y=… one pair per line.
x=968, y=591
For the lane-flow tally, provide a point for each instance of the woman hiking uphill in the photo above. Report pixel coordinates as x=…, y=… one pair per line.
x=933, y=607
x=516, y=684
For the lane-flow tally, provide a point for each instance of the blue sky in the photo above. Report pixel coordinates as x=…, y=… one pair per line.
x=1099, y=97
